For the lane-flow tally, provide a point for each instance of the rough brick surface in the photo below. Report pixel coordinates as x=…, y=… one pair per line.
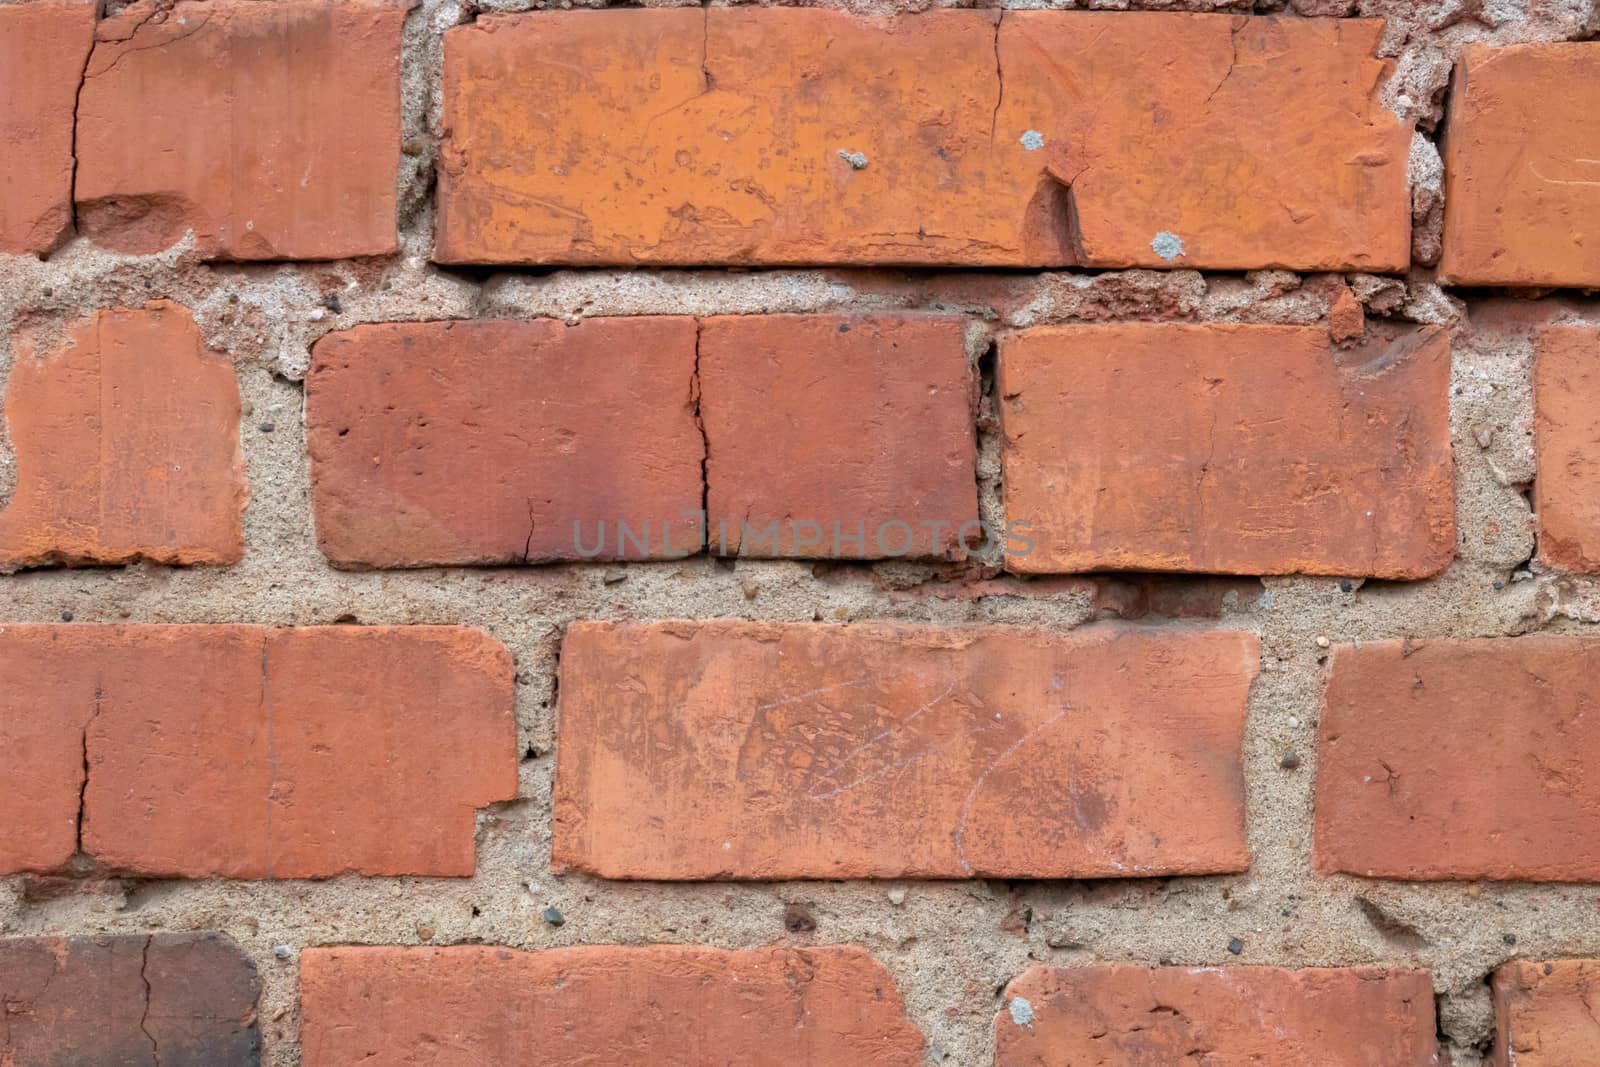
x=1522, y=177
x=623, y=1007
x=1566, y=396
x=272, y=131
x=162, y=1000
x=1543, y=1014
x=43, y=46
x=248, y=752
x=1460, y=759
x=127, y=444
x=1131, y=1016
x=1226, y=448
x=745, y=136
x=486, y=442
x=862, y=427
x=748, y=750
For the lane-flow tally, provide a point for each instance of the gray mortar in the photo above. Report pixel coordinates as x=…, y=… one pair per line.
x=942, y=941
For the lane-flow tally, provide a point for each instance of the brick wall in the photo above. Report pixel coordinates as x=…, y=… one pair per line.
x=779, y=535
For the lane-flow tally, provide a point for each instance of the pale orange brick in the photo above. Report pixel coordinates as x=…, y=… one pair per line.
x=790, y=136
x=127, y=446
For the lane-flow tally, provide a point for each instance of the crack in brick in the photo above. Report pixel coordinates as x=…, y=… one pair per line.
x=144, y=1017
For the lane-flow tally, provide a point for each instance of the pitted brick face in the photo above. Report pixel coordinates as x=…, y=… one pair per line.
x=1566, y=398
x=1544, y=1015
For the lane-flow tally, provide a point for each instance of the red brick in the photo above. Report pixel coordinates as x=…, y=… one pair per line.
x=270, y=130
x=861, y=427
x=1566, y=399
x=723, y=136
x=1522, y=178
x=1228, y=449
x=1543, y=1016
x=43, y=46
x=489, y=442
x=1460, y=759
x=1123, y=1014
x=127, y=446
x=622, y=1007
x=161, y=1000
x=750, y=750
x=249, y=752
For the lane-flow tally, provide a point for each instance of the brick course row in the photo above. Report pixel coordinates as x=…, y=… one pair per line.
x=718, y=750
x=188, y=1000
x=503, y=441
x=742, y=136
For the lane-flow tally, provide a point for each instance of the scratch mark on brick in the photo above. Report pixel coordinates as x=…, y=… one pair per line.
x=977, y=786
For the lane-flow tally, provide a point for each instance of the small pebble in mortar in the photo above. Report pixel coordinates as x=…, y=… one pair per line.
x=282, y=952
x=553, y=916
x=1021, y=1012
x=1167, y=245
x=857, y=160
x=1033, y=140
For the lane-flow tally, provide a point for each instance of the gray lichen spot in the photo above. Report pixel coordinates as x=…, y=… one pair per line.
x=1167, y=245
x=1033, y=140
x=1021, y=1012
x=857, y=160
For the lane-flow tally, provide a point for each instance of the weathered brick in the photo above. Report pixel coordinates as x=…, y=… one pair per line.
x=1123, y=1014
x=161, y=1000
x=1522, y=178
x=251, y=752
x=623, y=1007
x=505, y=442
x=1229, y=449
x=272, y=131
x=43, y=46
x=743, y=136
x=1566, y=398
x=749, y=750
x=848, y=437
x=1543, y=1014
x=1460, y=759
x=127, y=445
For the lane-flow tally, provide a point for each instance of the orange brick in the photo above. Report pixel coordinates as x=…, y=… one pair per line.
x=272, y=131
x=622, y=1007
x=186, y=1000
x=1566, y=398
x=1522, y=178
x=748, y=136
x=43, y=46
x=1543, y=1016
x=247, y=752
x=1227, y=449
x=127, y=445
x=1121, y=1014
x=846, y=437
x=1460, y=759
x=505, y=442
x=749, y=750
